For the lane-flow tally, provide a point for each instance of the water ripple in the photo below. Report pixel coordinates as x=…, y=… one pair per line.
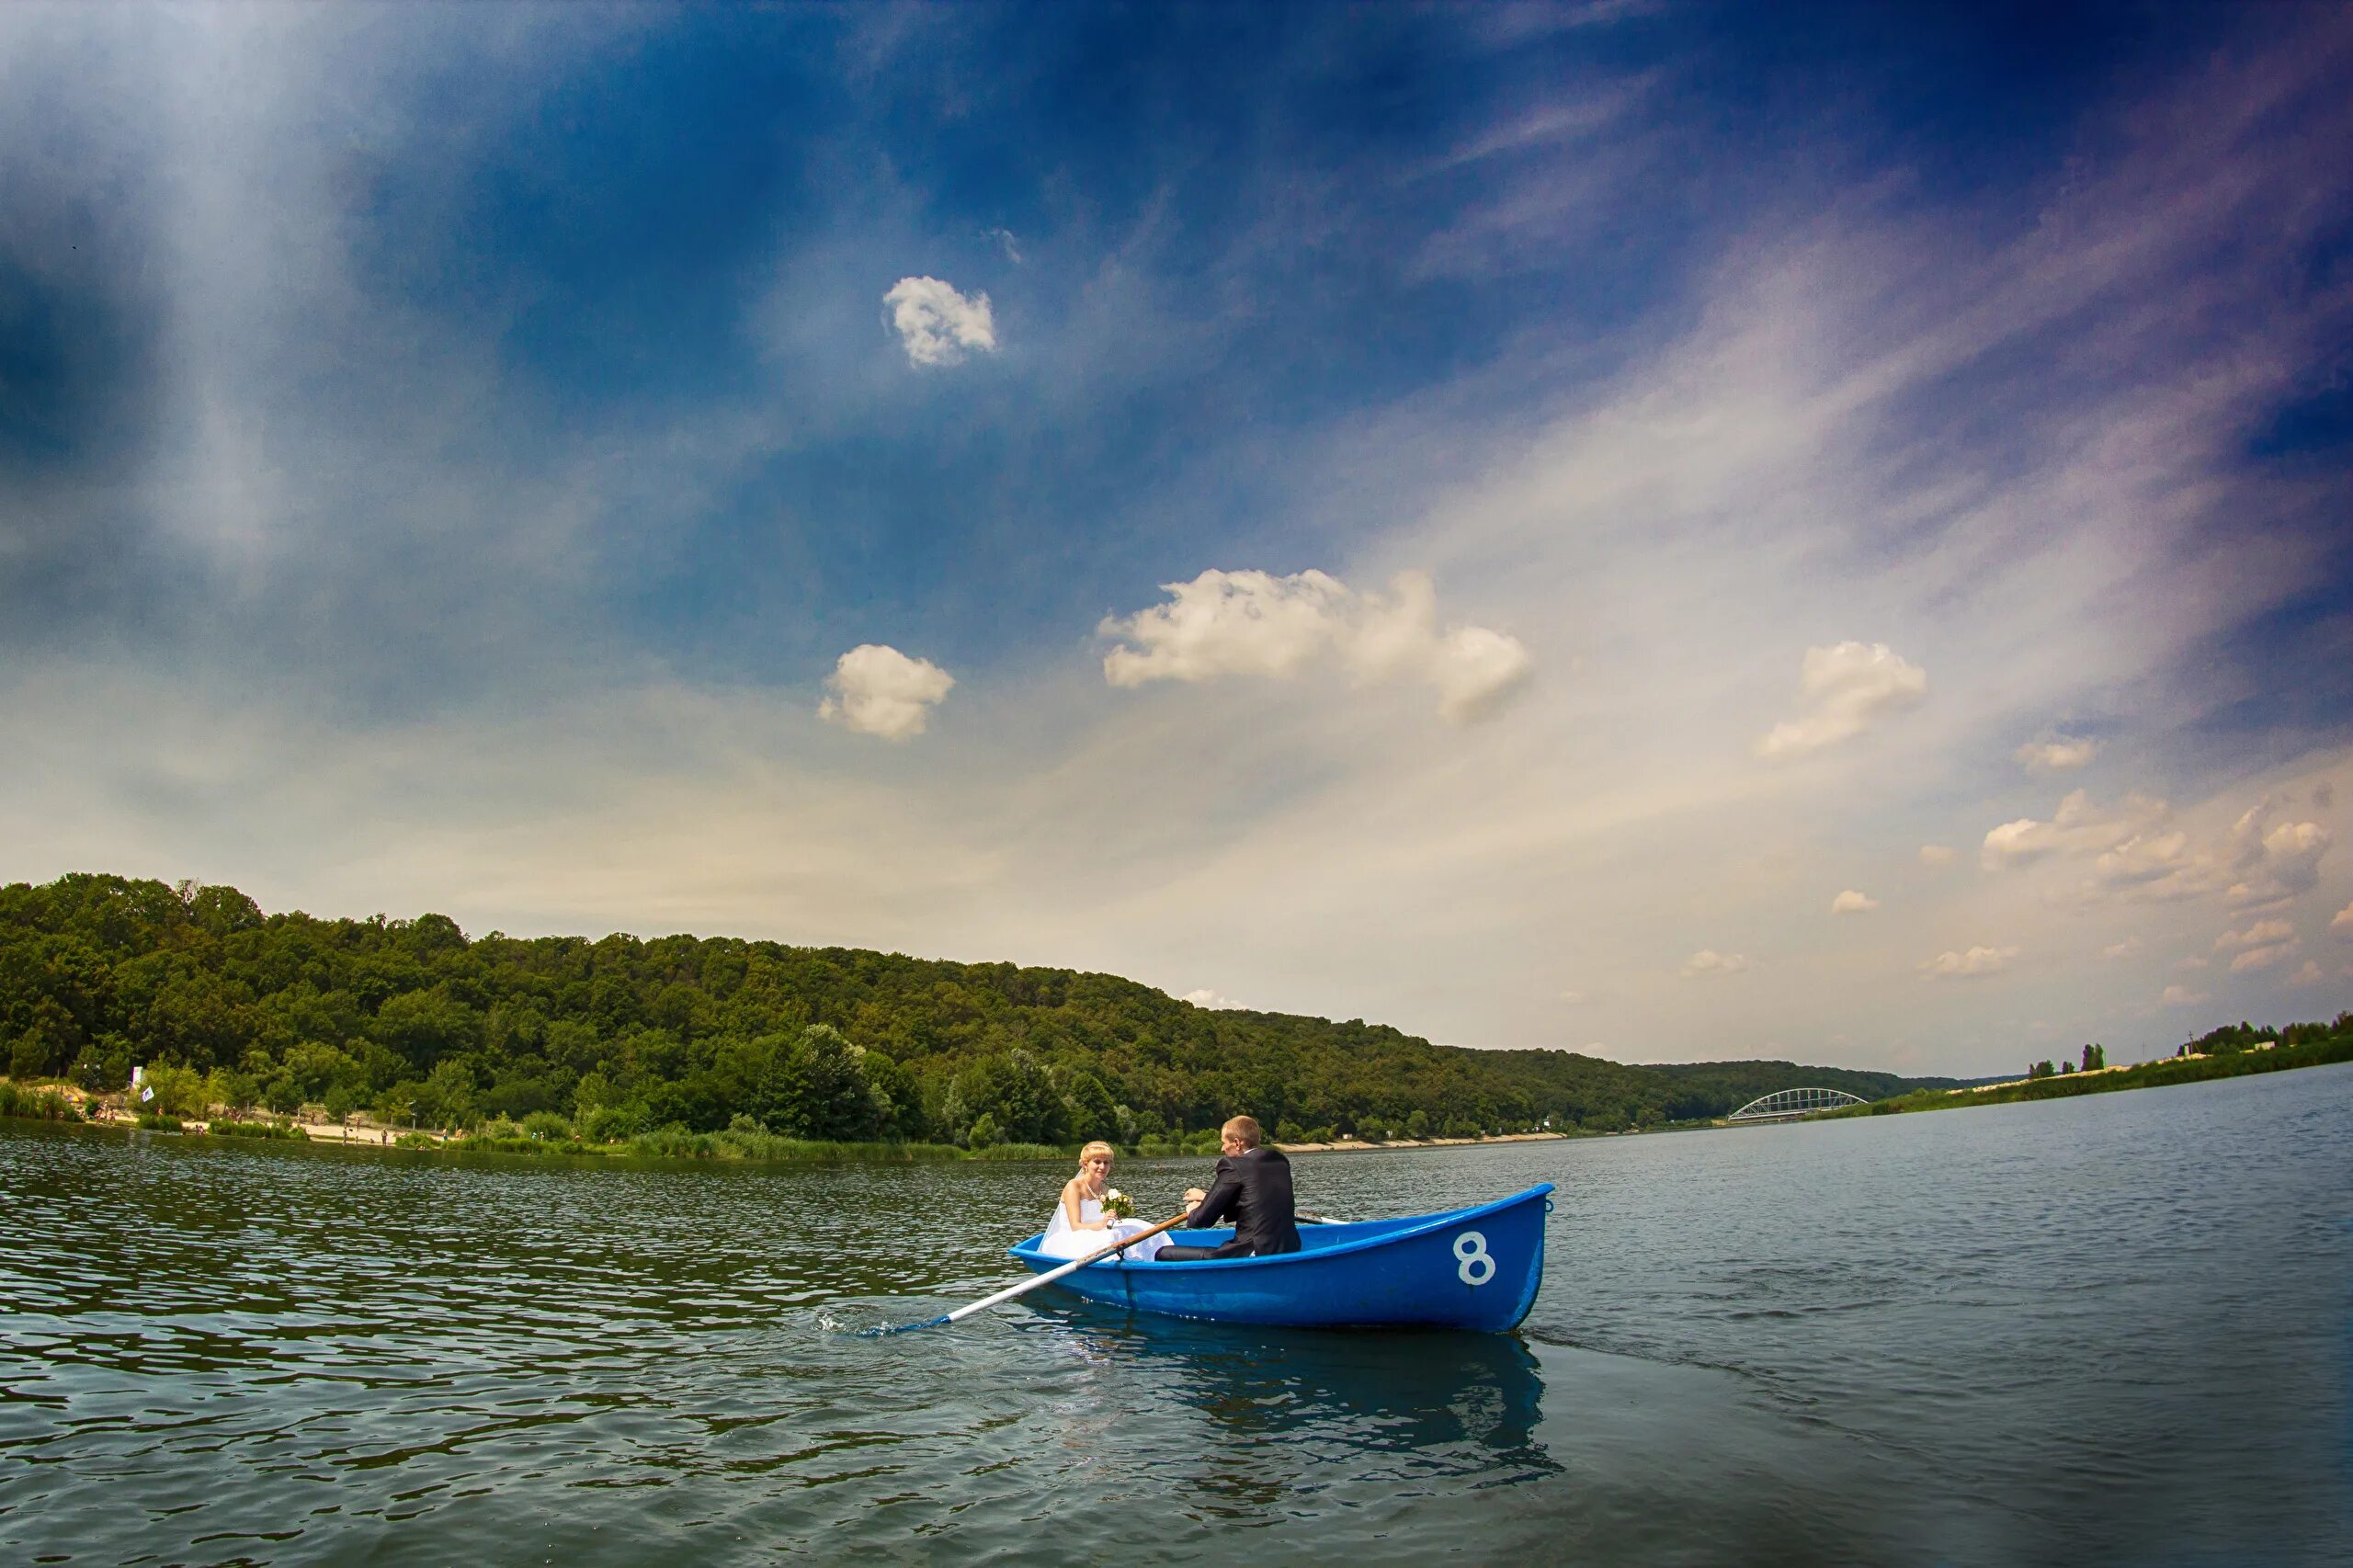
x=2102, y=1330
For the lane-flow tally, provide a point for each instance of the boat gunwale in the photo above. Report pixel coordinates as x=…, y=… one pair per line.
x=1412, y=1228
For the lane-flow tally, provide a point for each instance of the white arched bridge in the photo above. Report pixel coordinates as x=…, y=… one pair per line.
x=1783, y=1104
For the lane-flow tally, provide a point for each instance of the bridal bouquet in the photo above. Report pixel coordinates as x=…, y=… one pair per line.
x=1119, y=1205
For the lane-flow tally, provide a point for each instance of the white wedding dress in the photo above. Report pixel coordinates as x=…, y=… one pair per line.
x=1062, y=1240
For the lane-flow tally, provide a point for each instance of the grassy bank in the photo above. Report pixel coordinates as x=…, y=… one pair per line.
x=2146, y=1075
x=37, y=1104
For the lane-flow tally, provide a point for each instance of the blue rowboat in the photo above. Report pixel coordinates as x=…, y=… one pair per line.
x=1475, y=1268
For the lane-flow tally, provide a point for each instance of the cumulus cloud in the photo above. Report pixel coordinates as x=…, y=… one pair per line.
x=881, y=691
x=1853, y=903
x=1253, y=623
x=1707, y=960
x=1574, y=999
x=2137, y=852
x=1847, y=686
x=1976, y=963
x=2342, y=922
x=2080, y=828
x=1204, y=998
x=2262, y=933
x=2057, y=753
x=2183, y=996
x=2272, y=865
x=936, y=324
x=2311, y=974
x=2265, y=957
x=1937, y=855
x=2123, y=949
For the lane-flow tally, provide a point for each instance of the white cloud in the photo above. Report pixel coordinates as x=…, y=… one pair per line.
x=2057, y=753
x=2123, y=949
x=2272, y=865
x=937, y=324
x=2079, y=828
x=1204, y=998
x=881, y=691
x=2191, y=963
x=1707, y=960
x=2182, y=996
x=2311, y=974
x=1574, y=999
x=2264, y=957
x=2138, y=854
x=1848, y=685
x=2259, y=933
x=1976, y=963
x=1253, y=623
x=2342, y=921
x=1937, y=855
x=1852, y=902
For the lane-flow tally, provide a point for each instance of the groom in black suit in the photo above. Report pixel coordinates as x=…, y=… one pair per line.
x=1253, y=1187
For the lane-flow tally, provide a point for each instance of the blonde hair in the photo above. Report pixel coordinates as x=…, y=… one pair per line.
x=1093, y=1149
x=1245, y=1127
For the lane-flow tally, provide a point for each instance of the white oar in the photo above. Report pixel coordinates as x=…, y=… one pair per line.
x=1046, y=1278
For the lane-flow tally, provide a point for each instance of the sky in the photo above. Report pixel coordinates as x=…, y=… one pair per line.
x=1679, y=532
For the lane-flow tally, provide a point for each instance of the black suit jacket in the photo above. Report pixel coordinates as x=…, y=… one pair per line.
x=1253, y=1190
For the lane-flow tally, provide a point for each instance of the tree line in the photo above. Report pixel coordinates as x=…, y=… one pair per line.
x=412, y=1021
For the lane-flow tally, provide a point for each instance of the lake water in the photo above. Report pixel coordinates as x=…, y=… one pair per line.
x=2107, y=1330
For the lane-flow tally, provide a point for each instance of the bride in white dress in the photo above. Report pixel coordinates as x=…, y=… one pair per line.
x=1080, y=1226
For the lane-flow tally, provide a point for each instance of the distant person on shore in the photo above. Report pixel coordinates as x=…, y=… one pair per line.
x=1252, y=1189
x=1082, y=1222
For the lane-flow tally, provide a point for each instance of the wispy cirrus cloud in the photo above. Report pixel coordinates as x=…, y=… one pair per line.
x=2058, y=753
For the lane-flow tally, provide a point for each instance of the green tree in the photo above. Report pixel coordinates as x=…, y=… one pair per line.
x=898, y=1094
x=1092, y=1113
x=445, y=1098
x=394, y=1106
x=180, y=1091
x=826, y=1093
x=1016, y=1091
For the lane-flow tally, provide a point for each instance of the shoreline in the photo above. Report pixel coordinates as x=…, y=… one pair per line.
x=99, y=1110
x=1358, y=1145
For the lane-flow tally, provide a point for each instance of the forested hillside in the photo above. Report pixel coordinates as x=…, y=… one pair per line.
x=411, y=1020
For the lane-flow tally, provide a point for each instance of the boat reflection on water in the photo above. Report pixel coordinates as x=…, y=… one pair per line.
x=1286, y=1404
